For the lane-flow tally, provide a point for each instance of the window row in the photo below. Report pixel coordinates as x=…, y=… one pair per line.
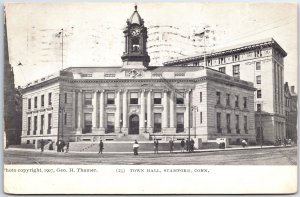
x=228, y=123
x=236, y=100
x=42, y=122
x=42, y=101
x=134, y=98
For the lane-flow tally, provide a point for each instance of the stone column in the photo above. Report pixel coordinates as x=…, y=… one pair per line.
x=79, y=112
x=165, y=112
x=118, y=111
x=73, y=109
x=186, y=113
x=101, y=112
x=172, y=110
x=45, y=122
x=38, y=123
x=125, y=112
x=142, y=114
x=149, y=110
x=94, y=113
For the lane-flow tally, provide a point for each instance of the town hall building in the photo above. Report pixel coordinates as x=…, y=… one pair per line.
x=138, y=101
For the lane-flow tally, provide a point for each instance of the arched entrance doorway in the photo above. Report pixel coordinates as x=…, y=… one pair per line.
x=134, y=124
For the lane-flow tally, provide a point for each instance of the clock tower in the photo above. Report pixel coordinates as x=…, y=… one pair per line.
x=135, y=55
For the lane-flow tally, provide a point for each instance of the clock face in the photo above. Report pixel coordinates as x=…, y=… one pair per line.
x=135, y=31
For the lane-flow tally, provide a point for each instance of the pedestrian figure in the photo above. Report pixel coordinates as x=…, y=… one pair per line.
x=67, y=147
x=58, y=146
x=42, y=145
x=101, y=147
x=171, y=145
x=182, y=143
x=156, y=146
x=187, y=145
x=279, y=141
x=192, y=145
x=244, y=143
x=135, y=147
x=51, y=146
x=284, y=142
x=62, y=146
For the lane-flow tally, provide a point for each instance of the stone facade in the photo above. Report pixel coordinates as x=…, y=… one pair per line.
x=262, y=63
x=138, y=101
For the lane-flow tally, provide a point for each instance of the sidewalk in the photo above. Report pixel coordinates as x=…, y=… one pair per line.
x=152, y=152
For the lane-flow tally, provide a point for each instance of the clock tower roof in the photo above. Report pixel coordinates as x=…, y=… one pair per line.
x=135, y=17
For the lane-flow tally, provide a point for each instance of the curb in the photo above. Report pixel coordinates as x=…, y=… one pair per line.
x=151, y=152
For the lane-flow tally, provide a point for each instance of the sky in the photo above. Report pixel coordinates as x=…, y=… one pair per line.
x=93, y=31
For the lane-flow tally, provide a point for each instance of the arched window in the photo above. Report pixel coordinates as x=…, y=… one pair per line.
x=135, y=45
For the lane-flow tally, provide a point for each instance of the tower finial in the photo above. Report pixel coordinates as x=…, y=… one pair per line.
x=135, y=7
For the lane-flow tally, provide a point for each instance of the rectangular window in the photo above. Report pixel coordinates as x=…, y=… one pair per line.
x=257, y=53
x=134, y=99
x=221, y=60
x=50, y=98
x=28, y=125
x=228, y=123
x=66, y=97
x=237, y=124
x=35, y=102
x=42, y=100
x=219, y=129
x=157, y=98
x=180, y=122
x=228, y=99
x=200, y=97
x=236, y=71
x=236, y=103
x=179, y=98
x=258, y=94
x=42, y=124
x=110, y=98
x=245, y=124
x=258, y=65
x=49, y=123
x=200, y=117
x=258, y=107
x=258, y=79
x=87, y=123
x=65, y=119
x=222, y=70
x=110, y=123
x=218, y=97
x=29, y=103
x=245, y=102
x=236, y=58
x=34, y=125
x=88, y=98
x=157, y=122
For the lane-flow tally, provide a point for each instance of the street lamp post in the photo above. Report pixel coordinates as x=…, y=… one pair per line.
x=194, y=109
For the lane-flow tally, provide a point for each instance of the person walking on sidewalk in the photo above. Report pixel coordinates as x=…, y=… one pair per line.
x=182, y=144
x=171, y=145
x=67, y=147
x=187, y=145
x=42, y=145
x=156, y=146
x=101, y=147
x=135, y=147
x=192, y=145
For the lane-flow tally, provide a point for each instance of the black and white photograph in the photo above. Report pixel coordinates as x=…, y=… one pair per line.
x=150, y=89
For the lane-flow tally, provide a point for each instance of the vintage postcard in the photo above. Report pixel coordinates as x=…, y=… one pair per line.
x=150, y=98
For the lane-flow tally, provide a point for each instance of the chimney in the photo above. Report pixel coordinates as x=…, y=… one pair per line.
x=293, y=89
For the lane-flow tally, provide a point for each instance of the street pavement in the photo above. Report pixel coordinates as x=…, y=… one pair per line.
x=234, y=156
